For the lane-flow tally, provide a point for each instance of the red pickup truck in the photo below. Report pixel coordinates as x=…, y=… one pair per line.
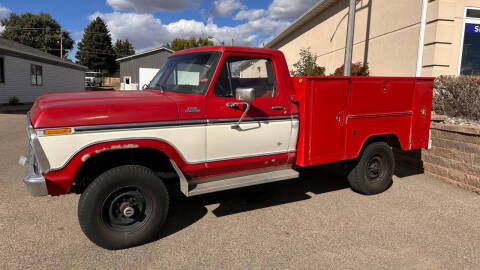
x=212, y=119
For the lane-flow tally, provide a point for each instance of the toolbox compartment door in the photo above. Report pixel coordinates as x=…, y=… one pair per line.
x=322, y=121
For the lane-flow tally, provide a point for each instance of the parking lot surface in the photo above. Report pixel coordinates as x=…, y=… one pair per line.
x=315, y=222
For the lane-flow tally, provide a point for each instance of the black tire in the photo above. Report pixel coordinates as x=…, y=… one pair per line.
x=105, y=208
x=372, y=172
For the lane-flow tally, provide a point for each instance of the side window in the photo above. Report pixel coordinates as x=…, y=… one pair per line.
x=254, y=73
x=36, y=74
x=2, y=72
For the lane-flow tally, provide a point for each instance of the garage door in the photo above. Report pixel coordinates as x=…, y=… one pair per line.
x=146, y=75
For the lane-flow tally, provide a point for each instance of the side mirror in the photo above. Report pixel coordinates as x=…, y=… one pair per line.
x=245, y=94
x=144, y=86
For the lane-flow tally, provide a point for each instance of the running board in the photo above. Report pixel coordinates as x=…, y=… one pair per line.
x=241, y=181
x=214, y=184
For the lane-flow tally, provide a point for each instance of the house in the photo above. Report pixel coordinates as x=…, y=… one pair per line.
x=139, y=69
x=27, y=73
x=389, y=36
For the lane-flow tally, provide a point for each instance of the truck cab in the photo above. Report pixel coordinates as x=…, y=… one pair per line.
x=213, y=119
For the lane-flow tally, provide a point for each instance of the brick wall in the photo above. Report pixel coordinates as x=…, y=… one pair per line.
x=454, y=155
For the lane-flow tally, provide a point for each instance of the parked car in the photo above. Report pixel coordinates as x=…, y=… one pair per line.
x=213, y=119
x=93, y=79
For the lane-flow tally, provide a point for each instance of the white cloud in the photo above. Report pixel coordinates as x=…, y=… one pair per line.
x=143, y=30
x=146, y=31
x=224, y=8
x=288, y=9
x=152, y=6
x=4, y=13
x=250, y=14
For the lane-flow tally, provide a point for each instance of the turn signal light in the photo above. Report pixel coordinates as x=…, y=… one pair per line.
x=57, y=131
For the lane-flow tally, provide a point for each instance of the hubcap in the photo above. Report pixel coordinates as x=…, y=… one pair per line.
x=374, y=168
x=126, y=209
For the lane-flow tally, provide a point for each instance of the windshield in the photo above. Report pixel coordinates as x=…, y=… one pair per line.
x=188, y=73
x=89, y=74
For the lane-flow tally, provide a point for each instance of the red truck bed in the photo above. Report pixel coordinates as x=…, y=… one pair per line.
x=338, y=114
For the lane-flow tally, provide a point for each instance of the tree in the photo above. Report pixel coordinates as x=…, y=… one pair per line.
x=39, y=31
x=357, y=70
x=95, y=50
x=307, y=65
x=123, y=48
x=182, y=43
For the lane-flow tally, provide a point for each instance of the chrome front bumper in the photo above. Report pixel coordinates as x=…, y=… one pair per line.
x=36, y=164
x=33, y=179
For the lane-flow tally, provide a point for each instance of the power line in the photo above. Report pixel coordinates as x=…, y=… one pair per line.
x=50, y=29
x=89, y=52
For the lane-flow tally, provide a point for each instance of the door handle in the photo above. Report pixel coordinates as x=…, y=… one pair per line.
x=277, y=108
x=232, y=105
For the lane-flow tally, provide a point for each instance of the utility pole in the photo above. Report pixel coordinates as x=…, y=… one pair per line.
x=347, y=71
x=61, y=44
x=233, y=42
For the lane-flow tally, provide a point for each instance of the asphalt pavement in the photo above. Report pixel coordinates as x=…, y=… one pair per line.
x=315, y=222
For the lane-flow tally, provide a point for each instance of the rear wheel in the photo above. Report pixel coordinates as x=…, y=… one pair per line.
x=124, y=207
x=372, y=172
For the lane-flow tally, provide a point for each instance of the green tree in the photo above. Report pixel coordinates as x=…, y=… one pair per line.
x=307, y=65
x=178, y=44
x=123, y=48
x=95, y=50
x=39, y=31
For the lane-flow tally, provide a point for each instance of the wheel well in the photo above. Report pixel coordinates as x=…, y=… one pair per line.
x=153, y=159
x=390, y=139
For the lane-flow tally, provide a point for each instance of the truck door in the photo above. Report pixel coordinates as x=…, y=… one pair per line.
x=262, y=139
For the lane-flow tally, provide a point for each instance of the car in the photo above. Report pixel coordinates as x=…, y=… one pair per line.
x=93, y=79
x=214, y=119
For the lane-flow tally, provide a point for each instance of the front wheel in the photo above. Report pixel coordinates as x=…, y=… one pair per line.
x=123, y=207
x=372, y=172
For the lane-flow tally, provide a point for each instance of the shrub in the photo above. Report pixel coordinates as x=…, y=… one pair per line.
x=307, y=65
x=13, y=101
x=357, y=70
x=457, y=96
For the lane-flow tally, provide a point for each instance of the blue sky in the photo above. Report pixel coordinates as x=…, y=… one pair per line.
x=152, y=23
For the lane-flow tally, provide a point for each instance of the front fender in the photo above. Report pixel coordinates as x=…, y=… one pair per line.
x=60, y=181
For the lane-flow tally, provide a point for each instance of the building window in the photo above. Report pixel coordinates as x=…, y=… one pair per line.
x=470, y=59
x=36, y=74
x=2, y=71
x=473, y=13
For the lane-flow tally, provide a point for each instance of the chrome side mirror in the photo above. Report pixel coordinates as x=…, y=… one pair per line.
x=245, y=94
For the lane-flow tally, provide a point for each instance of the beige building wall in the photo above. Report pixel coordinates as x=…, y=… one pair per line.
x=388, y=45
x=257, y=70
x=386, y=36
x=444, y=36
